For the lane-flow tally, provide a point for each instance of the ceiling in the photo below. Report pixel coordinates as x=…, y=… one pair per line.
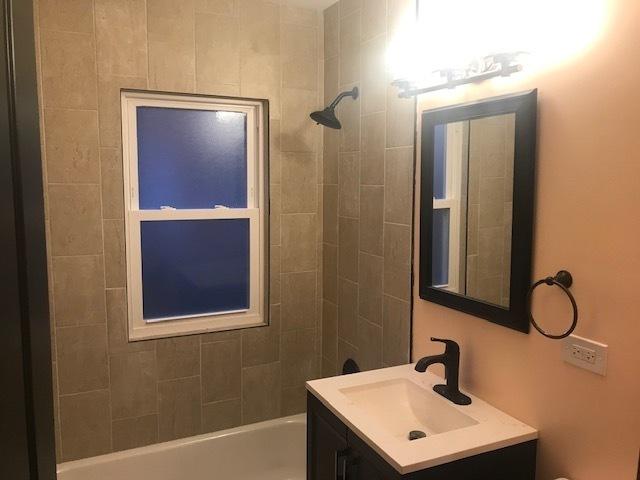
x=317, y=4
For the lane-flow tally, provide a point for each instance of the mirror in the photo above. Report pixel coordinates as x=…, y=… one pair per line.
x=477, y=206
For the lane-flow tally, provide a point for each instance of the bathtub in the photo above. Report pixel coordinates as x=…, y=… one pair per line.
x=272, y=450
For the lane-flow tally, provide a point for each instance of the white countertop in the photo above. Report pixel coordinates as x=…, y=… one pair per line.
x=492, y=428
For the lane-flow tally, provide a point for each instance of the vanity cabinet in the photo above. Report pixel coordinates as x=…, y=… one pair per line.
x=334, y=452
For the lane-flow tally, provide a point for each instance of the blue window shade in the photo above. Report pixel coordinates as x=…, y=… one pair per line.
x=192, y=267
x=440, y=260
x=191, y=158
x=440, y=161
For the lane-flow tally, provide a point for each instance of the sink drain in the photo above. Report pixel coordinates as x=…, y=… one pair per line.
x=416, y=434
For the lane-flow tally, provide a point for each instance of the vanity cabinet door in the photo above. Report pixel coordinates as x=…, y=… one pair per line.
x=328, y=456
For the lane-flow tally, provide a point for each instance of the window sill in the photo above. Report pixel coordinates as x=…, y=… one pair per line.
x=194, y=326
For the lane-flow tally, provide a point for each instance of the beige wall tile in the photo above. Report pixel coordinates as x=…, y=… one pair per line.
x=71, y=138
x=66, y=15
x=374, y=18
x=178, y=357
x=114, y=254
x=109, y=109
x=275, y=218
x=374, y=75
x=331, y=79
x=221, y=415
x=348, y=113
x=78, y=291
x=85, y=425
x=300, y=16
x=370, y=288
x=397, y=328
x=299, y=133
x=179, y=408
x=298, y=357
x=68, y=70
x=261, y=345
x=294, y=400
x=298, y=242
x=227, y=90
x=346, y=351
x=259, y=28
x=274, y=152
x=217, y=49
x=329, y=368
x=222, y=336
x=260, y=78
x=275, y=290
x=350, y=48
x=133, y=378
x=332, y=31
x=349, y=6
x=331, y=155
x=134, y=432
x=221, y=371
x=82, y=359
x=330, y=272
x=219, y=7
x=371, y=219
x=117, y=325
x=348, y=191
x=399, y=13
x=348, y=229
x=121, y=37
x=75, y=219
x=348, y=311
x=299, y=183
x=112, y=183
x=172, y=59
x=398, y=182
x=397, y=254
x=259, y=384
x=329, y=330
x=330, y=214
x=400, y=119
x=299, y=57
x=373, y=149
x=298, y=301
x=369, y=345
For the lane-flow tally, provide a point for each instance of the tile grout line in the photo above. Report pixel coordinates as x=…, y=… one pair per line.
x=104, y=267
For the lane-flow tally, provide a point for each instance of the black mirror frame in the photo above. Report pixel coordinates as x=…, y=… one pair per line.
x=524, y=105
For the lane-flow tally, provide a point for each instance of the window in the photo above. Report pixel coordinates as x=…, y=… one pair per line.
x=195, y=196
x=448, y=174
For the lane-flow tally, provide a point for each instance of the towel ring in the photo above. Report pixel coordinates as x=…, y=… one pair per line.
x=564, y=280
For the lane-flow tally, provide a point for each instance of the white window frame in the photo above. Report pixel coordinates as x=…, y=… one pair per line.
x=255, y=315
x=452, y=201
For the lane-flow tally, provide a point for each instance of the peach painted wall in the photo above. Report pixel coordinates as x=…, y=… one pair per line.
x=587, y=221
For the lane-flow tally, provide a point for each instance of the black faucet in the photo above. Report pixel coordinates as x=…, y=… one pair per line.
x=451, y=361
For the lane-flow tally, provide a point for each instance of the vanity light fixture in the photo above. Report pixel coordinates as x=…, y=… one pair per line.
x=497, y=65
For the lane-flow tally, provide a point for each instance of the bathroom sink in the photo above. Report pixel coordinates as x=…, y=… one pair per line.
x=399, y=406
x=383, y=407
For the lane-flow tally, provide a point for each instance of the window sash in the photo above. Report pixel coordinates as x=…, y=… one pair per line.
x=139, y=328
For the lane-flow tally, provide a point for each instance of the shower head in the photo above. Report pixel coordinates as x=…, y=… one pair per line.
x=327, y=117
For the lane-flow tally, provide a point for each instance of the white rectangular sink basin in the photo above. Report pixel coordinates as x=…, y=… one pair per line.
x=399, y=406
x=383, y=406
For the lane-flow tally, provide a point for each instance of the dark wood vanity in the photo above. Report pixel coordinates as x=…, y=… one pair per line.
x=334, y=452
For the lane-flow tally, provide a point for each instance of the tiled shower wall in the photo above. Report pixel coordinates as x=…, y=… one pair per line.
x=111, y=394
x=368, y=184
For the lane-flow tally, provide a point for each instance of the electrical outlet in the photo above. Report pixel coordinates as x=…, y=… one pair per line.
x=585, y=353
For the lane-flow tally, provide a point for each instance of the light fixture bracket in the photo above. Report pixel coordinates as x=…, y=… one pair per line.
x=490, y=66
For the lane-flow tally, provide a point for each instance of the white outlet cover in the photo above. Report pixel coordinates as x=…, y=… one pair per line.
x=600, y=349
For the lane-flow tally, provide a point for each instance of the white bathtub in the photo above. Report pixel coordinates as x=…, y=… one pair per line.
x=273, y=450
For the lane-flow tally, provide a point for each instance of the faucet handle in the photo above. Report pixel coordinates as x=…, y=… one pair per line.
x=451, y=346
